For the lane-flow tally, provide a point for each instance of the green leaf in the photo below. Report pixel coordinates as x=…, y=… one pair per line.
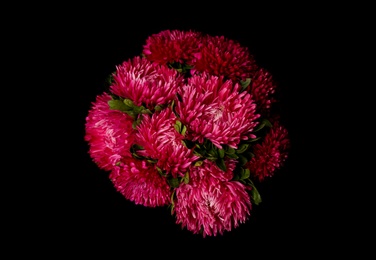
x=242, y=148
x=255, y=195
x=245, y=83
x=198, y=163
x=232, y=156
x=221, y=164
x=135, y=155
x=242, y=160
x=158, y=108
x=177, y=126
x=117, y=105
x=146, y=111
x=184, y=130
x=172, y=201
x=174, y=182
x=221, y=153
x=263, y=123
x=267, y=123
x=185, y=179
x=159, y=170
x=259, y=127
x=131, y=113
x=128, y=102
x=137, y=147
x=230, y=150
x=253, y=140
x=247, y=173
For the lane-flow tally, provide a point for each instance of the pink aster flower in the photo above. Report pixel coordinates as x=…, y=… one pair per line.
x=215, y=109
x=224, y=57
x=140, y=182
x=172, y=46
x=162, y=142
x=210, y=203
x=109, y=133
x=262, y=88
x=145, y=83
x=271, y=153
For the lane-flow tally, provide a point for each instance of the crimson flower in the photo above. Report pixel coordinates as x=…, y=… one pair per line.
x=109, y=133
x=140, y=182
x=214, y=109
x=271, y=153
x=172, y=46
x=211, y=203
x=225, y=57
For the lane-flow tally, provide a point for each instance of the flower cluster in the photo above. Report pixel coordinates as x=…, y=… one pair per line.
x=189, y=125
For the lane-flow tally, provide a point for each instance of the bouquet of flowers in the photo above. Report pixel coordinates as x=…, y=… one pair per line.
x=189, y=124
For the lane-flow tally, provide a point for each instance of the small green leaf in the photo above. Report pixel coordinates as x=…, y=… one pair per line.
x=159, y=170
x=177, y=126
x=146, y=111
x=184, y=130
x=267, y=123
x=158, y=108
x=247, y=173
x=255, y=195
x=198, y=163
x=245, y=84
x=185, y=179
x=172, y=201
x=253, y=140
x=128, y=102
x=174, y=182
x=242, y=160
x=117, y=105
x=230, y=150
x=262, y=124
x=259, y=127
x=221, y=153
x=135, y=155
x=221, y=164
x=242, y=148
x=232, y=156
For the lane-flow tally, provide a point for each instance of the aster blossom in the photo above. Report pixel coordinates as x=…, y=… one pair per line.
x=189, y=125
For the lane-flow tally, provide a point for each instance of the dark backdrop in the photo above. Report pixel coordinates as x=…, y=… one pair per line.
x=84, y=213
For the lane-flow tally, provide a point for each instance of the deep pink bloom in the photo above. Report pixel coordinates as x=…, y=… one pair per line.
x=109, y=133
x=262, y=88
x=161, y=141
x=146, y=83
x=224, y=57
x=211, y=203
x=271, y=153
x=214, y=108
x=140, y=182
x=172, y=46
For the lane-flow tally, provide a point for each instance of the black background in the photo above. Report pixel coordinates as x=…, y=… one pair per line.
x=79, y=210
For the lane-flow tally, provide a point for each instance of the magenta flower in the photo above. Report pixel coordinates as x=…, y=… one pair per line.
x=140, y=182
x=262, y=88
x=171, y=46
x=215, y=109
x=220, y=56
x=160, y=141
x=109, y=133
x=211, y=203
x=145, y=83
x=271, y=154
